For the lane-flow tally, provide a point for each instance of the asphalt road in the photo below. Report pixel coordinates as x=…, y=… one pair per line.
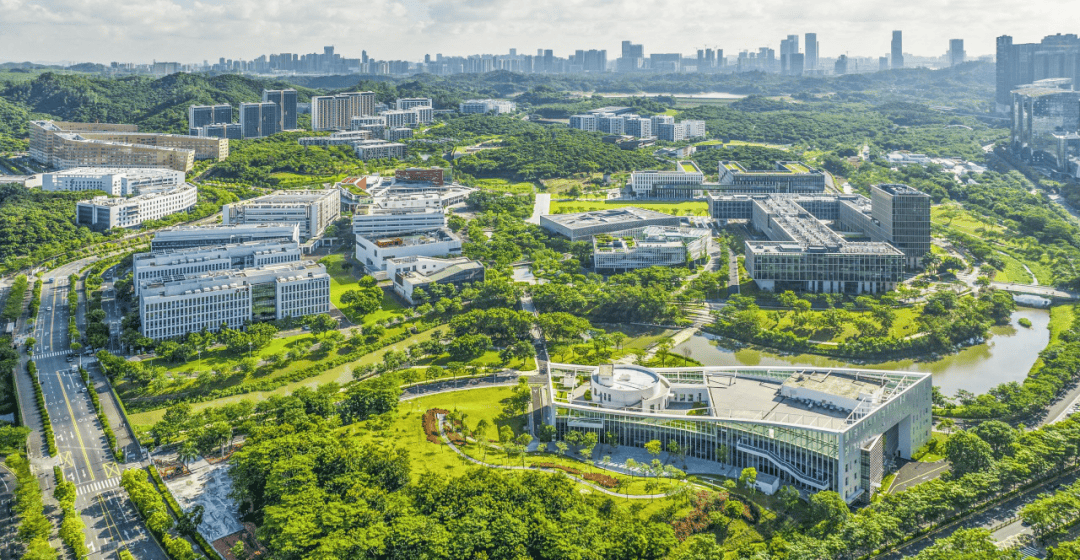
x=84, y=454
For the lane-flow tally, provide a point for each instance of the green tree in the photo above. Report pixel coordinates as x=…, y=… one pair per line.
x=968, y=453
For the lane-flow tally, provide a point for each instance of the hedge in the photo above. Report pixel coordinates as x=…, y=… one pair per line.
x=14, y=304
x=71, y=524
x=39, y=396
x=35, y=299
x=155, y=512
x=34, y=527
x=102, y=418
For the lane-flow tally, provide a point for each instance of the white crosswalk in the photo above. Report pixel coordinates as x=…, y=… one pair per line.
x=41, y=356
x=98, y=485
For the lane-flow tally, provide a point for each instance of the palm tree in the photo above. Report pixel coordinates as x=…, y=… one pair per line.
x=187, y=452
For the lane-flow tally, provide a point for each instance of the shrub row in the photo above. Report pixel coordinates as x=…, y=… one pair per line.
x=102, y=418
x=155, y=512
x=39, y=396
x=71, y=524
x=271, y=384
x=179, y=511
x=34, y=527
x=35, y=299
x=607, y=481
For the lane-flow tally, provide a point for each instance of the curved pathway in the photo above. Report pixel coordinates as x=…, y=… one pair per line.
x=517, y=468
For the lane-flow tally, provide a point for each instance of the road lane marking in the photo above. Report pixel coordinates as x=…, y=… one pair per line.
x=77, y=434
x=111, y=469
x=109, y=521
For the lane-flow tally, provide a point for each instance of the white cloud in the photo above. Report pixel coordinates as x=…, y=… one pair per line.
x=193, y=30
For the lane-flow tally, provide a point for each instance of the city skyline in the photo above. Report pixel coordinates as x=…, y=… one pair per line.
x=97, y=31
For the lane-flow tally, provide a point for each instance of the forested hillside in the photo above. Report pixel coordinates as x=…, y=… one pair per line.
x=38, y=225
x=153, y=104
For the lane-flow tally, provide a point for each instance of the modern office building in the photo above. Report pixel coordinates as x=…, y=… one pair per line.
x=410, y=273
x=379, y=149
x=487, y=106
x=170, y=263
x=638, y=127
x=398, y=119
x=832, y=429
x=397, y=134
x=62, y=145
x=786, y=177
x=671, y=132
x=174, y=307
x=231, y=131
x=258, y=120
x=650, y=246
x=285, y=99
x=374, y=252
x=588, y=122
x=387, y=216
x=956, y=52
x=335, y=112
x=313, y=210
x=114, y=181
x=810, y=60
x=202, y=115
x=103, y=213
x=406, y=103
x=679, y=183
x=183, y=237
x=583, y=225
x=1056, y=56
x=896, y=50
x=1046, y=123
x=344, y=138
x=804, y=253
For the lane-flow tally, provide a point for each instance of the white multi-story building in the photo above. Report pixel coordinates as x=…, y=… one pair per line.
x=650, y=246
x=313, y=210
x=583, y=122
x=199, y=260
x=182, y=237
x=496, y=106
x=379, y=149
x=424, y=115
x=399, y=119
x=658, y=120
x=694, y=129
x=357, y=122
x=373, y=252
x=610, y=124
x=376, y=220
x=103, y=213
x=671, y=132
x=396, y=134
x=678, y=183
x=406, y=103
x=345, y=138
x=410, y=273
x=640, y=127
x=832, y=429
x=116, y=181
x=173, y=308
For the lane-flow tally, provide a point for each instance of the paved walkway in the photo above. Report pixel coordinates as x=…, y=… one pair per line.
x=541, y=207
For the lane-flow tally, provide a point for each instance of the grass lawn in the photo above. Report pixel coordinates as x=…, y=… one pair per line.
x=1014, y=271
x=1061, y=318
x=477, y=404
x=928, y=457
x=489, y=358
x=342, y=280
x=674, y=208
x=638, y=337
x=954, y=217
x=903, y=324
x=502, y=185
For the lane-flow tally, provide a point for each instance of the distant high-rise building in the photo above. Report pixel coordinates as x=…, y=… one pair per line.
x=841, y=65
x=788, y=47
x=956, y=52
x=810, y=61
x=1056, y=56
x=632, y=59
x=202, y=115
x=258, y=120
x=286, y=101
x=883, y=63
x=796, y=64
x=897, y=50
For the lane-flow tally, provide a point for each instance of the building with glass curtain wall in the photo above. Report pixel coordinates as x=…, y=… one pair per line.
x=814, y=429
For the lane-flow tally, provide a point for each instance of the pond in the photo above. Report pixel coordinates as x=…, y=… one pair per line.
x=1006, y=356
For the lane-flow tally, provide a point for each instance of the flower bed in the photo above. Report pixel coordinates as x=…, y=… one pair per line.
x=431, y=423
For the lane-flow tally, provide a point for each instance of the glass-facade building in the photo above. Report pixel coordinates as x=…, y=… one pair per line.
x=829, y=429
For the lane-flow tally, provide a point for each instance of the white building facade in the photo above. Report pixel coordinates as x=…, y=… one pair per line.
x=103, y=213
x=200, y=260
x=374, y=252
x=116, y=181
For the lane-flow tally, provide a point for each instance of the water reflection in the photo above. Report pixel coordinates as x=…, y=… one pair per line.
x=1006, y=356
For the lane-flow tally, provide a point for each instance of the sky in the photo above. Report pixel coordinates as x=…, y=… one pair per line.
x=188, y=31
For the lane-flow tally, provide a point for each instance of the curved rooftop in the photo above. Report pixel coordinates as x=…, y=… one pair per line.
x=624, y=378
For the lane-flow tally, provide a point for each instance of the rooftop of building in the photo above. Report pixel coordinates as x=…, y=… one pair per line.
x=611, y=216
x=78, y=137
x=648, y=236
x=288, y=197
x=458, y=265
x=232, y=278
x=897, y=189
x=413, y=239
x=613, y=109
x=790, y=167
x=163, y=257
x=621, y=378
x=230, y=228
x=147, y=194
x=377, y=144
x=102, y=171
x=688, y=166
x=754, y=393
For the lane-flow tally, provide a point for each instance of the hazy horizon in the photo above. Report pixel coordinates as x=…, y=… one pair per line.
x=190, y=31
